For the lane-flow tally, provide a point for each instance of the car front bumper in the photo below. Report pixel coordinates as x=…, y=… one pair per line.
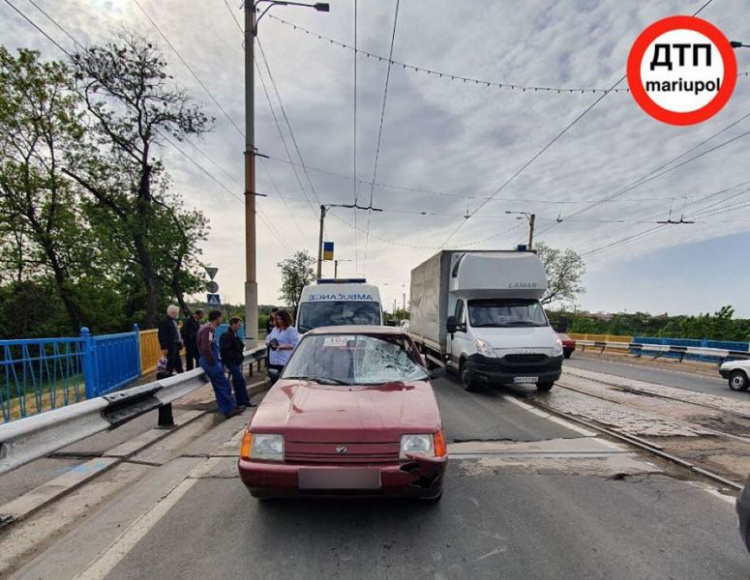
x=725, y=373
x=497, y=370
x=743, y=511
x=419, y=477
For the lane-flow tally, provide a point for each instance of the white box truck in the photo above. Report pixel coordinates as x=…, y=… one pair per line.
x=478, y=313
x=338, y=302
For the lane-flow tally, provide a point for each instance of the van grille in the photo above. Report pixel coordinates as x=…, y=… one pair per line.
x=525, y=359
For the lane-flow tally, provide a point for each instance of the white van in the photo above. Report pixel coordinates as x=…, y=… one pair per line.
x=478, y=312
x=337, y=303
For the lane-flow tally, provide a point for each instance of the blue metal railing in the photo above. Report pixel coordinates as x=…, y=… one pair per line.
x=38, y=375
x=691, y=342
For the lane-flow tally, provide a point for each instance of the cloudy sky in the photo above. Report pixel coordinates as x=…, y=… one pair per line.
x=448, y=145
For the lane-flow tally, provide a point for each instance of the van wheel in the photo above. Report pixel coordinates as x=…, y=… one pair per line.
x=738, y=381
x=544, y=387
x=467, y=377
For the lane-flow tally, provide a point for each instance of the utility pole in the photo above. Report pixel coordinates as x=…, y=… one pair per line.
x=403, y=295
x=323, y=210
x=320, y=241
x=251, y=282
x=532, y=221
x=336, y=267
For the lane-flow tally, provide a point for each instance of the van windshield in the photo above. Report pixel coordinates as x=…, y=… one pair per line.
x=506, y=312
x=337, y=313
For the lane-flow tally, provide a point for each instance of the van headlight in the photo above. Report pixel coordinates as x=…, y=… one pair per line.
x=416, y=445
x=267, y=447
x=485, y=348
x=557, y=350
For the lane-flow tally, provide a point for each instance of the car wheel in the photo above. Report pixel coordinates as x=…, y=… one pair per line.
x=738, y=381
x=567, y=353
x=467, y=377
x=544, y=387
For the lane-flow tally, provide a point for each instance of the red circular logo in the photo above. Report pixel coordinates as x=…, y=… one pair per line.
x=682, y=70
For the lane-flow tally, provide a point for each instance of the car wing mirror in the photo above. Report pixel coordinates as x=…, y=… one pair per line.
x=450, y=324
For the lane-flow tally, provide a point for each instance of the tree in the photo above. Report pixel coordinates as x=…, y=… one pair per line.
x=133, y=105
x=564, y=272
x=39, y=211
x=296, y=273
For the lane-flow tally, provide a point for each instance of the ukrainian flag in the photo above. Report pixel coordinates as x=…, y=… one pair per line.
x=328, y=250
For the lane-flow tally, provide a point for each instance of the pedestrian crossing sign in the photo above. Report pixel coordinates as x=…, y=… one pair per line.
x=328, y=250
x=213, y=299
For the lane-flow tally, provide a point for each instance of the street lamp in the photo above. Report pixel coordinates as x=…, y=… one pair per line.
x=251, y=31
x=336, y=267
x=323, y=209
x=532, y=219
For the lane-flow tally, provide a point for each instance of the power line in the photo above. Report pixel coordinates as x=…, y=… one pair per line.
x=380, y=129
x=30, y=21
x=187, y=66
x=56, y=23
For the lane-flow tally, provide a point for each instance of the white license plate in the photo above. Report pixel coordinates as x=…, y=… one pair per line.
x=352, y=478
x=525, y=380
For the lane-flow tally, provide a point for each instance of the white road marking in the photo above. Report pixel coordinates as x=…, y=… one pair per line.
x=120, y=548
x=549, y=417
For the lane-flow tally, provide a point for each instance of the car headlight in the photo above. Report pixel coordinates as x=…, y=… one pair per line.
x=267, y=447
x=557, y=350
x=417, y=445
x=485, y=348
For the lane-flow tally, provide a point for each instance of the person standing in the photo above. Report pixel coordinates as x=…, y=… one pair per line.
x=270, y=325
x=190, y=336
x=170, y=340
x=232, y=350
x=209, y=361
x=282, y=340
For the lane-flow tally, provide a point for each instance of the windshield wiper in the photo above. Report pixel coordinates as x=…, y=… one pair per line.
x=522, y=323
x=321, y=380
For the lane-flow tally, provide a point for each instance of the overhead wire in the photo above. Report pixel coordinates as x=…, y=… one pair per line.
x=35, y=25
x=380, y=129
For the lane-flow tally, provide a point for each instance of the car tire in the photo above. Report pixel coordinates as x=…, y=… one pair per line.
x=738, y=381
x=567, y=353
x=544, y=387
x=468, y=382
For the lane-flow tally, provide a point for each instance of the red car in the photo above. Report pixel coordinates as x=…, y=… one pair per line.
x=569, y=344
x=352, y=414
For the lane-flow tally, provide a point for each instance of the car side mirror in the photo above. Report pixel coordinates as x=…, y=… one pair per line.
x=450, y=324
x=438, y=373
x=273, y=374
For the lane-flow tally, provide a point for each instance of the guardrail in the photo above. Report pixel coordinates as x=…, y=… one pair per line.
x=639, y=349
x=28, y=439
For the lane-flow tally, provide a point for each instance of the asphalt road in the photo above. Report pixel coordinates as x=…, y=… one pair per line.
x=545, y=518
x=680, y=379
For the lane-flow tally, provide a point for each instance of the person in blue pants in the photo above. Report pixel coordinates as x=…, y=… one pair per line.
x=210, y=363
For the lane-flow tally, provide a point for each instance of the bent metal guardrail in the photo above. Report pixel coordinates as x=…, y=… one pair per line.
x=28, y=439
x=639, y=349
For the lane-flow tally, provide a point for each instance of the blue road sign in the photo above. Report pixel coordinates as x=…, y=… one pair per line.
x=213, y=299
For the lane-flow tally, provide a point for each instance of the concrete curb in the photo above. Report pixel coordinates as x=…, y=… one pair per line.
x=32, y=501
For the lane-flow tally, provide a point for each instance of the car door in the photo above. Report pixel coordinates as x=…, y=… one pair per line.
x=459, y=340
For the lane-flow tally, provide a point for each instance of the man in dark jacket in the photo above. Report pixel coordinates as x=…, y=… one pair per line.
x=231, y=348
x=170, y=340
x=190, y=336
x=209, y=362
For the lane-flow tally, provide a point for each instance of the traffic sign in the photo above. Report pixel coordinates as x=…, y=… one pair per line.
x=213, y=299
x=212, y=287
x=211, y=272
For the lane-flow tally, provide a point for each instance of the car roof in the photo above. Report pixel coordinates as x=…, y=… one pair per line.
x=357, y=329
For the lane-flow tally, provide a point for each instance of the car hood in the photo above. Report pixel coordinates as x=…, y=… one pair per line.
x=518, y=339
x=307, y=411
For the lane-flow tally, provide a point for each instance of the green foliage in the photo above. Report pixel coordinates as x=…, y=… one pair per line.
x=296, y=273
x=92, y=233
x=564, y=272
x=718, y=326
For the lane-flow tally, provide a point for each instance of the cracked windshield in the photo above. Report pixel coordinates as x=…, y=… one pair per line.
x=374, y=290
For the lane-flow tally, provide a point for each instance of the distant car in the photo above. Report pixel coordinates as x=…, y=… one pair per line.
x=736, y=372
x=352, y=414
x=569, y=344
x=743, y=511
